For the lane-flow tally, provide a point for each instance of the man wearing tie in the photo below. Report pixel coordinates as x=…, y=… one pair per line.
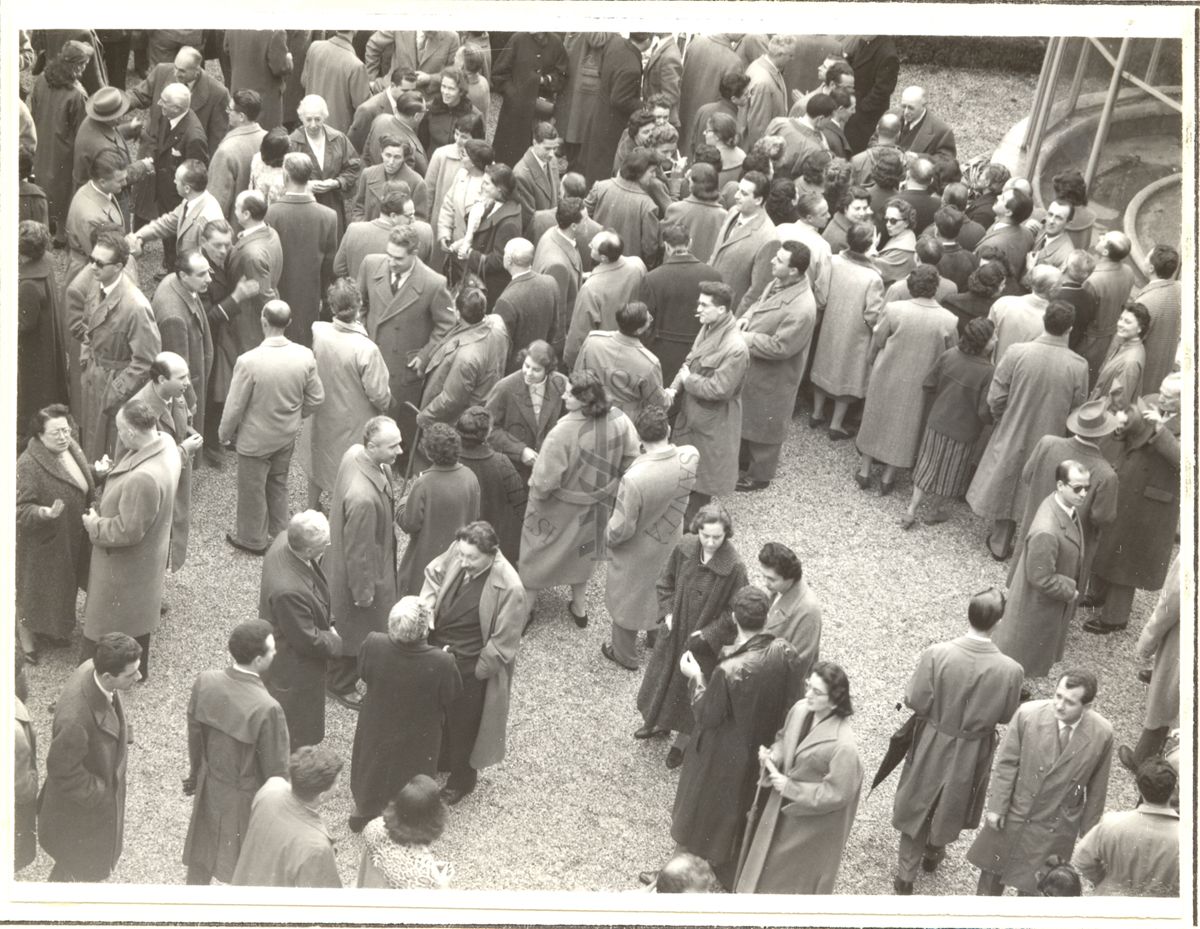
x=1048, y=787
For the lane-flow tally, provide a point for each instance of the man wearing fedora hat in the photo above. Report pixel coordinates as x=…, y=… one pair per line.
x=1088, y=423
x=102, y=131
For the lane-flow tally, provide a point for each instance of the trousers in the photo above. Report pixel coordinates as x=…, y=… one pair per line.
x=262, y=501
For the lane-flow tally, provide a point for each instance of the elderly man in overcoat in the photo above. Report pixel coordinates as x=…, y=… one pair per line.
x=960, y=691
x=1047, y=582
x=183, y=322
x=81, y=811
x=361, y=564
x=557, y=256
x=708, y=386
x=237, y=739
x=1048, y=787
x=479, y=608
x=294, y=599
x=778, y=331
x=130, y=534
x=408, y=309
x=530, y=305
x=1034, y=389
x=742, y=255
x=1111, y=283
x=645, y=526
x=209, y=101
x=259, y=60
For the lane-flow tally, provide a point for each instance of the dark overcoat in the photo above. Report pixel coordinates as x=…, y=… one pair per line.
x=502, y=494
x=515, y=426
x=259, y=61
x=440, y=500
x=708, y=59
x=41, y=343
x=169, y=148
x=308, y=235
x=671, y=292
x=532, y=65
x=618, y=94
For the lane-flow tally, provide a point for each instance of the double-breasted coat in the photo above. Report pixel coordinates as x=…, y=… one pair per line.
x=571, y=495
x=515, y=425
x=184, y=329
x=81, y=811
x=52, y=554
x=355, y=379
x=294, y=599
x=361, y=562
x=441, y=500
x=1035, y=387
x=374, y=185
x=742, y=256
x=210, y=99
x=1047, y=799
x=169, y=147
x=259, y=61
x=308, y=234
x=1041, y=595
x=778, y=331
x=710, y=405
x=797, y=842
x=532, y=65
x=840, y=367
x=502, y=613
x=131, y=542
x=961, y=690
x=618, y=94
x=410, y=688
x=1159, y=640
x=645, y=526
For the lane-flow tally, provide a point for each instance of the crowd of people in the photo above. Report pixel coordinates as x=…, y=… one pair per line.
x=514, y=360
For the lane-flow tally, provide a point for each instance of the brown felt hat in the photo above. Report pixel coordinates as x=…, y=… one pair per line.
x=107, y=105
x=1092, y=420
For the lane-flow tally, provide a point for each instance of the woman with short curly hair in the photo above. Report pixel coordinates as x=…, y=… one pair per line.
x=898, y=254
x=396, y=846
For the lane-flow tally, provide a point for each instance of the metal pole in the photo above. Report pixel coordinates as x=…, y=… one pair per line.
x=1077, y=81
x=1037, y=96
x=1039, y=130
x=1114, y=88
x=1155, y=55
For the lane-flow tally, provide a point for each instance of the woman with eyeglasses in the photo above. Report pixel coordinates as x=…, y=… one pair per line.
x=898, y=255
x=814, y=775
x=55, y=487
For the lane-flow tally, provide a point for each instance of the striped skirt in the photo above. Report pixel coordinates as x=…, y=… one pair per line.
x=943, y=465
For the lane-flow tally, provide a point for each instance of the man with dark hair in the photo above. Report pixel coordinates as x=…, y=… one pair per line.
x=631, y=375
x=800, y=135
x=710, y=398
x=180, y=229
x=956, y=263
x=957, y=195
x=662, y=73
x=1162, y=298
x=425, y=52
x=732, y=90
x=742, y=256
x=739, y=706
x=536, y=173
x=370, y=237
x=237, y=740
x=686, y=873
x=479, y=609
x=286, y=843
x=461, y=369
x=645, y=526
x=777, y=331
x=569, y=185
x=81, y=814
x=557, y=256
x=812, y=216
x=95, y=204
x=529, y=305
x=1053, y=245
x=274, y=386
x=795, y=614
x=623, y=205
x=1048, y=787
x=402, y=123
x=229, y=169
x=1034, y=389
x=960, y=691
x=833, y=126
x=1008, y=232
x=403, y=80
x=833, y=73
x=615, y=280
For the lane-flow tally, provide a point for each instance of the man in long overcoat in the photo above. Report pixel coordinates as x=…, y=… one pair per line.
x=334, y=73
x=742, y=255
x=1159, y=642
x=407, y=308
x=361, y=564
x=615, y=281
x=256, y=256
x=294, y=599
x=663, y=73
x=622, y=204
x=708, y=386
x=532, y=65
x=183, y=322
x=557, y=256
x=1162, y=297
x=778, y=331
x=237, y=739
x=131, y=534
x=708, y=59
x=645, y=526
x=1047, y=583
x=575, y=106
x=81, y=811
x=766, y=94
x=259, y=60
x=1034, y=389
x=1111, y=283
x=462, y=368
x=960, y=691
x=876, y=66
x=1048, y=787
x=479, y=610
x=229, y=167
x=530, y=305
x=618, y=94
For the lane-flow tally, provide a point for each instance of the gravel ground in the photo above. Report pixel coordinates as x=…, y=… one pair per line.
x=578, y=804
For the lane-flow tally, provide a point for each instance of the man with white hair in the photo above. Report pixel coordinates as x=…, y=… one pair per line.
x=1019, y=318
x=921, y=132
x=294, y=599
x=210, y=99
x=1111, y=283
x=335, y=164
x=529, y=304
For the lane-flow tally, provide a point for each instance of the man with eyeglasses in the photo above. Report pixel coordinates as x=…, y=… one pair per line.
x=120, y=340
x=1046, y=583
x=960, y=691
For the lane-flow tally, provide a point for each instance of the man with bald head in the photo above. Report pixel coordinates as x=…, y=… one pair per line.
x=921, y=132
x=615, y=280
x=1111, y=283
x=210, y=99
x=530, y=303
x=887, y=135
x=916, y=191
x=274, y=386
x=1020, y=318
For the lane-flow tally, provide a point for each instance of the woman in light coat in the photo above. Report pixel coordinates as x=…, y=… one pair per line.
x=1120, y=377
x=464, y=191
x=815, y=775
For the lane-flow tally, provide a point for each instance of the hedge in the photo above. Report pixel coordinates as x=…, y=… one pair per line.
x=1009, y=53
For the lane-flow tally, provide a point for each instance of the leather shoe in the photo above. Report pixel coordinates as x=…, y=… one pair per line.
x=864, y=483
x=814, y=423
x=452, y=795
x=747, y=484
x=902, y=888
x=674, y=757
x=1145, y=675
x=931, y=859
x=647, y=877
x=840, y=435
x=607, y=651
x=998, y=556
x=1125, y=756
x=649, y=732
x=350, y=699
x=1095, y=627
x=358, y=823
x=580, y=621
x=886, y=487
x=242, y=546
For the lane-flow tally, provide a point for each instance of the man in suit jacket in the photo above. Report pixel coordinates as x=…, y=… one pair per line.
x=257, y=258
x=407, y=309
x=237, y=739
x=766, y=95
x=259, y=60
x=274, y=386
x=81, y=819
x=479, y=609
x=210, y=99
x=95, y=204
x=333, y=72
x=461, y=369
x=876, y=66
x=536, y=174
x=294, y=599
x=180, y=229
x=428, y=52
x=229, y=170
x=921, y=132
x=361, y=564
x=183, y=323
x=384, y=102
x=742, y=255
x=557, y=257
x=618, y=94
x=530, y=305
x=1048, y=787
x=662, y=73
x=960, y=691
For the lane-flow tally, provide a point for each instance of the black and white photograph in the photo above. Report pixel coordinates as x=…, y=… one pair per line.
x=470, y=476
